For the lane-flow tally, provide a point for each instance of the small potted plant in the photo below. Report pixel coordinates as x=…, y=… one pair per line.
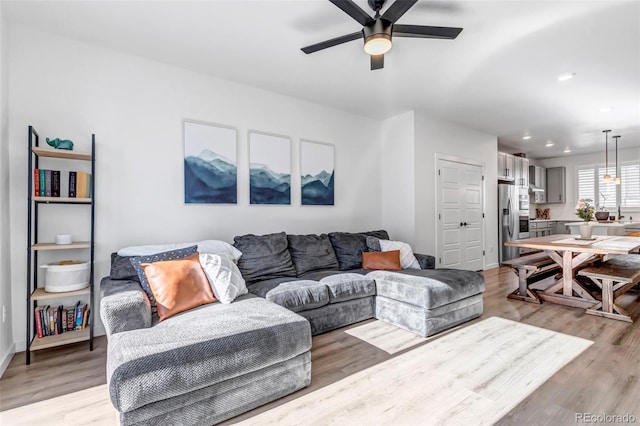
x=584, y=210
x=602, y=213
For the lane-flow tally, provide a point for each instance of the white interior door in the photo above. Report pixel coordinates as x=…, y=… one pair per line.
x=460, y=216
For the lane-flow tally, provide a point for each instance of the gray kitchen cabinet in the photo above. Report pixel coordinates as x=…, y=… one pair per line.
x=506, y=166
x=561, y=227
x=521, y=172
x=556, y=185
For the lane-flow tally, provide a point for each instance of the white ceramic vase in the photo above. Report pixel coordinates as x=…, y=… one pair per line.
x=585, y=231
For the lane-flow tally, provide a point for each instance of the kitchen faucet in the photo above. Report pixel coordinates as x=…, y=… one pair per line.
x=619, y=215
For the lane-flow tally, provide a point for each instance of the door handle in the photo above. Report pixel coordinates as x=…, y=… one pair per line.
x=465, y=224
x=461, y=224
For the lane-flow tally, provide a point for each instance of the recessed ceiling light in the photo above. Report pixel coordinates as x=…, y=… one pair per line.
x=549, y=143
x=567, y=150
x=526, y=138
x=606, y=109
x=566, y=76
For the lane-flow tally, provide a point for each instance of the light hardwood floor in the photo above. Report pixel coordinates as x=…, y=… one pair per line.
x=603, y=379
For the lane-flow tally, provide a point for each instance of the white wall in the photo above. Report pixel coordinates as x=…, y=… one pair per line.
x=435, y=136
x=572, y=163
x=135, y=107
x=6, y=336
x=397, y=177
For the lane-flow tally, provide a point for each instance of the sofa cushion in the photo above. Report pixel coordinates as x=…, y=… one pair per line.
x=299, y=295
x=428, y=288
x=158, y=257
x=348, y=248
x=380, y=234
x=319, y=275
x=382, y=260
x=261, y=288
x=178, y=285
x=201, y=347
x=311, y=253
x=122, y=269
x=343, y=287
x=264, y=256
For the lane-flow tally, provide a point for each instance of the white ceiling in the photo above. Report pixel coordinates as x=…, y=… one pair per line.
x=499, y=76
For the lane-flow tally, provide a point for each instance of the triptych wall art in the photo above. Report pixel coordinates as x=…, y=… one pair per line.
x=210, y=167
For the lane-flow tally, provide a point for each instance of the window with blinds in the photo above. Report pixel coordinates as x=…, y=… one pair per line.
x=630, y=186
x=591, y=184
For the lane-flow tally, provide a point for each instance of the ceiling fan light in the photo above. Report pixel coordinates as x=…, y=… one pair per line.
x=617, y=181
x=607, y=178
x=377, y=44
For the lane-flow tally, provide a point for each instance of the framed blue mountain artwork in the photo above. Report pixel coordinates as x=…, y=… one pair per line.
x=210, y=164
x=317, y=173
x=269, y=169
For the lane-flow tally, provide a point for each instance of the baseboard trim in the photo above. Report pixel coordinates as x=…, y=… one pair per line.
x=491, y=266
x=6, y=359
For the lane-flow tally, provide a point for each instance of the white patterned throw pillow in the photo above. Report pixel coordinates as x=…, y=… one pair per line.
x=407, y=259
x=224, y=277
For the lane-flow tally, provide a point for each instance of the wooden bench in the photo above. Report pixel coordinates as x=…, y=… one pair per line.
x=530, y=269
x=615, y=277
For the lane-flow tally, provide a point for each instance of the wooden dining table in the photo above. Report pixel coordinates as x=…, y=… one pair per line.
x=571, y=254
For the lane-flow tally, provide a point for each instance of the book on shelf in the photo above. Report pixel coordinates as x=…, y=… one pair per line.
x=83, y=185
x=36, y=182
x=72, y=184
x=42, y=187
x=38, y=321
x=47, y=183
x=55, y=183
x=80, y=313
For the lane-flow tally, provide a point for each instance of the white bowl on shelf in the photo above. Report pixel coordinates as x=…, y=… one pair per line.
x=63, y=239
x=60, y=278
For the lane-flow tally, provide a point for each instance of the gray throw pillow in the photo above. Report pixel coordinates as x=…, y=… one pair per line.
x=264, y=257
x=348, y=248
x=381, y=234
x=122, y=269
x=312, y=253
x=373, y=244
x=158, y=257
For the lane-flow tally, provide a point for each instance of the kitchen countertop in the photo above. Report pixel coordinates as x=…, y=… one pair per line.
x=551, y=220
x=610, y=224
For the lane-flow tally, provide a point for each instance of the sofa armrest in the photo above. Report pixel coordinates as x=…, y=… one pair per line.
x=426, y=261
x=124, y=306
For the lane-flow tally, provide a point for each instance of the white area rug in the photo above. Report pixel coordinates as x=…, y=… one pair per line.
x=472, y=376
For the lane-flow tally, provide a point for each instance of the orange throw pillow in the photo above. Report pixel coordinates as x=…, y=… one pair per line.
x=382, y=260
x=178, y=285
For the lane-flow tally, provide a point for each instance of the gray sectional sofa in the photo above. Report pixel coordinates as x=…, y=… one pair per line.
x=217, y=361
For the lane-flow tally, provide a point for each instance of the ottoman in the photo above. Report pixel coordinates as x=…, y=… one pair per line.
x=427, y=301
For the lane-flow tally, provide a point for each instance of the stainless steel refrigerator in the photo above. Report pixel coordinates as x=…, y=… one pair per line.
x=508, y=215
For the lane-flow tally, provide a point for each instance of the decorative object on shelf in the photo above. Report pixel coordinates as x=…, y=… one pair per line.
x=210, y=165
x=269, y=169
x=317, y=174
x=67, y=275
x=617, y=179
x=584, y=210
x=63, y=239
x=607, y=176
x=58, y=143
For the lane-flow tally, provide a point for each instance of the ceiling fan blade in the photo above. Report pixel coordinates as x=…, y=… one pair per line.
x=353, y=10
x=333, y=42
x=424, y=31
x=377, y=62
x=397, y=9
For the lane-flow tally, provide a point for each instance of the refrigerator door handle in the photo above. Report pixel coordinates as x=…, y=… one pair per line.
x=510, y=222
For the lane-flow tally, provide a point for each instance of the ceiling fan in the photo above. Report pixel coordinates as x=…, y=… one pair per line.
x=378, y=31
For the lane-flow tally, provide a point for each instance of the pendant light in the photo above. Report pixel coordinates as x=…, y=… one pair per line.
x=617, y=179
x=607, y=176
